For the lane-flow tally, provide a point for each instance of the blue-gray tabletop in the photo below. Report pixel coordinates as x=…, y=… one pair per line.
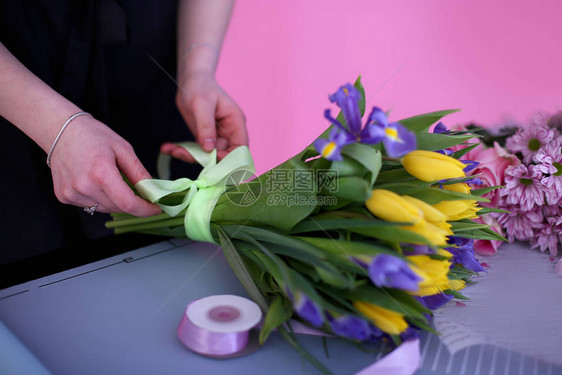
x=120, y=316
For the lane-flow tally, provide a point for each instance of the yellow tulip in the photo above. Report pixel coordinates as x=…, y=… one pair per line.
x=387, y=320
x=433, y=273
x=430, y=213
x=457, y=284
x=459, y=209
x=460, y=187
x=390, y=206
x=432, y=166
x=433, y=233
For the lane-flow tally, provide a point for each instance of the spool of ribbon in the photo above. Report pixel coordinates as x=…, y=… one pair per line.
x=218, y=326
x=201, y=194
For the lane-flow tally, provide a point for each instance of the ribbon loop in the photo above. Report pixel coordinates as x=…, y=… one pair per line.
x=201, y=194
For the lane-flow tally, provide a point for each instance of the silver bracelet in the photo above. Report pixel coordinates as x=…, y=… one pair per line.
x=60, y=133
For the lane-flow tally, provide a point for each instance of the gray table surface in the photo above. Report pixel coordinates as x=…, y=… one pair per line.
x=120, y=315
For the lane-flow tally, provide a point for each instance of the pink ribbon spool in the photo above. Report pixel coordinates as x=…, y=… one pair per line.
x=218, y=326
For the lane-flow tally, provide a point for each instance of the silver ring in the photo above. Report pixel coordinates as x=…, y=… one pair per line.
x=91, y=210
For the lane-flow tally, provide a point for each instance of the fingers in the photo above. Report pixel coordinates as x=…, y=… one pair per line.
x=177, y=152
x=203, y=111
x=119, y=192
x=232, y=123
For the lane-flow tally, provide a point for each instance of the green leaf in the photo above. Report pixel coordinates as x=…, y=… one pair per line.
x=367, y=156
x=456, y=294
x=487, y=210
x=291, y=339
x=267, y=206
x=436, y=141
x=482, y=234
x=460, y=153
x=351, y=188
x=347, y=167
x=434, y=195
x=382, y=297
x=289, y=246
x=313, y=224
x=483, y=191
x=458, y=226
x=279, y=312
x=422, y=123
x=392, y=234
x=394, y=175
x=348, y=248
x=240, y=270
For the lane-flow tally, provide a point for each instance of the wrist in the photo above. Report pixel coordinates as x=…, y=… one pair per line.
x=198, y=58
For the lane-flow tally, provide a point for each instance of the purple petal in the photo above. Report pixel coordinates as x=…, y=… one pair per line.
x=437, y=300
x=377, y=116
x=347, y=98
x=328, y=115
x=350, y=327
x=440, y=128
x=405, y=143
x=463, y=254
x=333, y=154
x=393, y=272
x=308, y=310
x=470, y=165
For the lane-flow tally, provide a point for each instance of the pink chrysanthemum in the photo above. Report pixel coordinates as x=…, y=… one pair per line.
x=523, y=187
x=547, y=237
x=520, y=225
x=529, y=140
x=549, y=162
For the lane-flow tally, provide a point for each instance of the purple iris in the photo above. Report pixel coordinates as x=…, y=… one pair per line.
x=397, y=140
x=463, y=253
x=410, y=333
x=331, y=148
x=437, y=300
x=308, y=310
x=393, y=272
x=440, y=128
x=470, y=165
x=347, y=98
x=350, y=327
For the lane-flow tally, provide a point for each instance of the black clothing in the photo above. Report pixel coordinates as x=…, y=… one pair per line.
x=98, y=54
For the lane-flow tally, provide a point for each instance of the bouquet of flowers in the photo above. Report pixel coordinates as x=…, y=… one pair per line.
x=360, y=235
x=530, y=168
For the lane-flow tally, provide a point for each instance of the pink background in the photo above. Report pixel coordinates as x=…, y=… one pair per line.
x=499, y=61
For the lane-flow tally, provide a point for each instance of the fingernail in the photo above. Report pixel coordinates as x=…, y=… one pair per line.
x=208, y=144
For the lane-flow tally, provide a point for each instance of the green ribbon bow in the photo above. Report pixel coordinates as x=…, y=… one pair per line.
x=201, y=195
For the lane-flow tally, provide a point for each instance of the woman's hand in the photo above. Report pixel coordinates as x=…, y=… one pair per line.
x=86, y=165
x=211, y=115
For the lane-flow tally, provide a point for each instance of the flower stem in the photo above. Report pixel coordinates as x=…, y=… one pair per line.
x=133, y=220
x=176, y=221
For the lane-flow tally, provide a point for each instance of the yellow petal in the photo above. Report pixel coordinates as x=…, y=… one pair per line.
x=388, y=321
x=460, y=187
x=459, y=209
x=434, y=234
x=433, y=273
x=430, y=213
x=457, y=284
x=390, y=206
x=432, y=166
